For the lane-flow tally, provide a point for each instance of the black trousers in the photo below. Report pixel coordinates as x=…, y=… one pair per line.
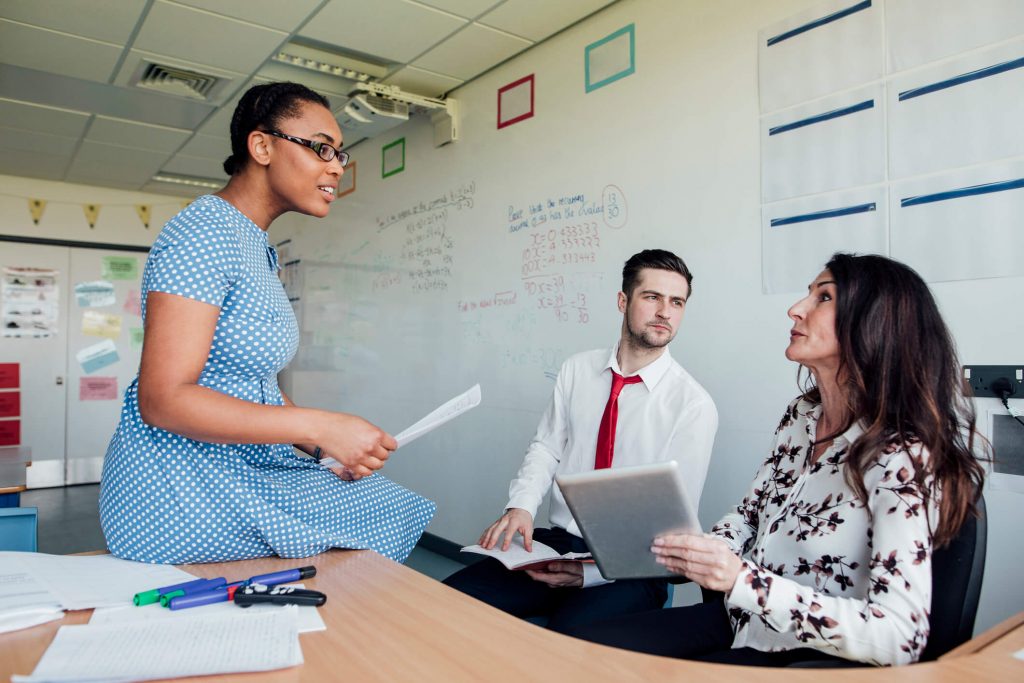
x=565, y=608
x=701, y=632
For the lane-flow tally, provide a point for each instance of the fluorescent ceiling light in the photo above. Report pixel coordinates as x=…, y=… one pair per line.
x=321, y=67
x=191, y=181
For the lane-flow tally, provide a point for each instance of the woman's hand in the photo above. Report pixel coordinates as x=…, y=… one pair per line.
x=360, y=447
x=708, y=562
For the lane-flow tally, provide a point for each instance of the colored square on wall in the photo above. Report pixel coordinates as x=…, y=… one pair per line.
x=611, y=58
x=10, y=403
x=10, y=375
x=10, y=432
x=347, y=184
x=392, y=158
x=97, y=388
x=120, y=268
x=515, y=101
x=97, y=356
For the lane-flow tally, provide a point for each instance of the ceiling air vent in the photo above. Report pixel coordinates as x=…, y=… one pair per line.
x=174, y=81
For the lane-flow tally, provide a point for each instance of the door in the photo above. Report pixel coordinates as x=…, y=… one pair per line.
x=42, y=368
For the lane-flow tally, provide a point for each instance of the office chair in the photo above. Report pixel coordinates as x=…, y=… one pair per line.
x=957, y=569
x=18, y=529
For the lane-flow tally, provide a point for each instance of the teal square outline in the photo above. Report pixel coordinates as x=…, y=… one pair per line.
x=383, y=155
x=631, y=30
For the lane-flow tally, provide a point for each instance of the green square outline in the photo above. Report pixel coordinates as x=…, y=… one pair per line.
x=383, y=155
x=631, y=30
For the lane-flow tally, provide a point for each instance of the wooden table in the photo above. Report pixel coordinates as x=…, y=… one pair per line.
x=386, y=622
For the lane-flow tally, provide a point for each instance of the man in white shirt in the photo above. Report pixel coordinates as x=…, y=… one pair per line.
x=667, y=416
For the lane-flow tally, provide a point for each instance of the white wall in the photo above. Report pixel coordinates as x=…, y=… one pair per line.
x=63, y=219
x=683, y=134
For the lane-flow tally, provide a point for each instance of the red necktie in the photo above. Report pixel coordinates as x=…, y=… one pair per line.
x=606, y=434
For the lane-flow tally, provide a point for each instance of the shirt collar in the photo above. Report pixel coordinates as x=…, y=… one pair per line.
x=852, y=433
x=651, y=373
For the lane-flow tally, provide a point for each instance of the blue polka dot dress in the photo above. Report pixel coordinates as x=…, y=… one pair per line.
x=166, y=498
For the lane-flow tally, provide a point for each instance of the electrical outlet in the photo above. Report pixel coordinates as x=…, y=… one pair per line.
x=979, y=379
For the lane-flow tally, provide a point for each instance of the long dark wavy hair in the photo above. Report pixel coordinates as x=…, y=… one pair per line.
x=263, y=107
x=899, y=369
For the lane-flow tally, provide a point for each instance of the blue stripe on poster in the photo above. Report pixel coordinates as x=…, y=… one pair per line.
x=835, y=16
x=971, y=191
x=834, y=114
x=963, y=78
x=820, y=215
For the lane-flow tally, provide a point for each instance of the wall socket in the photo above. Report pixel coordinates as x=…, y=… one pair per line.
x=979, y=379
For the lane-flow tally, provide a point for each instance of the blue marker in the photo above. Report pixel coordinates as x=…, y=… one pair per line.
x=196, y=587
x=149, y=597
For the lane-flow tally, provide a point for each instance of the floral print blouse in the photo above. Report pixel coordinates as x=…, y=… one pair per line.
x=822, y=568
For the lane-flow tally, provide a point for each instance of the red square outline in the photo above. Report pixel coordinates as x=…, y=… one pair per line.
x=351, y=168
x=516, y=84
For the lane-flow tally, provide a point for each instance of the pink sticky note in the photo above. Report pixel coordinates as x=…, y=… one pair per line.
x=132, y=303
x=97, y=389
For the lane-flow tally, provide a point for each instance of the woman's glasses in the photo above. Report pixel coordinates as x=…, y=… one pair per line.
x=322, y=149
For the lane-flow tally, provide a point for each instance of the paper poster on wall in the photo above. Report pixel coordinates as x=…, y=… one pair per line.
x=97, y=388
x=963, y=224
x=347, y=182
x=98, y=324
x=95, y=294
x=97, y=356
x=30, y=302
x=610, y=59
x=1006, y=472
x=833, y=46
x=132, y=303
x=392, y=158
x=10, y=432
x=515, y=101
x=922, y=31
x=135, y=335
x=965, y=111
x=120, y=268
x=799, y=235
x=10, y=403
x=829, y=144
x=10, y=375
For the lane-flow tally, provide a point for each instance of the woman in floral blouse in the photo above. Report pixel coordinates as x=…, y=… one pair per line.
x=829, y=553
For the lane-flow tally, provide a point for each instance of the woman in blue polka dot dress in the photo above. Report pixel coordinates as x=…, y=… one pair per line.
x=201, y=467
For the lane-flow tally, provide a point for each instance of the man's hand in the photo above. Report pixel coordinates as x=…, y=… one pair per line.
x=708, y=562
x=560, y=574
x=514, y=520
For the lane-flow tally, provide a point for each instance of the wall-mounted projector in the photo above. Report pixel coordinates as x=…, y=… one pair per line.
x=374, y=108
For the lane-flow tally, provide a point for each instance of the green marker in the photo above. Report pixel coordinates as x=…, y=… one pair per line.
x=151, y=596
x=146, y=597
x=166, y=598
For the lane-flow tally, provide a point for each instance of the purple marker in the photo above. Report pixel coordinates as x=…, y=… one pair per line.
x=286, y=576
x=195, y=587
x=149, y=597
x=222, y=593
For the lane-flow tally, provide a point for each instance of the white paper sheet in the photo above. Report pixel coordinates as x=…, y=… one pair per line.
x=139, y=651
x=962, y=237
x=921, y=31
x=832, y=143
x=307, y=620
x=822, y=59
x=972, y=122
x=81, y=582
x=449, y=411
x=24, y=600
x=794, y=253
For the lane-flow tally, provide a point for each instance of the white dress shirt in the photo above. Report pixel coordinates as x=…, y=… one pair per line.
x=667, y=416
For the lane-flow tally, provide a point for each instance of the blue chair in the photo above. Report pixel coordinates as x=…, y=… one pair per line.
x=18, y=529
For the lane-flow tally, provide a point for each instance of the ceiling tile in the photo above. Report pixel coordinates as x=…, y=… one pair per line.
x=538, y=19
x=391, y=29
x=111, y=162
x=471, y=51
x=464, y=8
x=422, y=82
x=140, y=135
x=37, y=143
x=43, y=50
x=43, y=119
x=173, y=189
x=218, y=41
x=196, y=166
x=32, y=164
x=285, y=16
x=207, y=147
x=109, y=20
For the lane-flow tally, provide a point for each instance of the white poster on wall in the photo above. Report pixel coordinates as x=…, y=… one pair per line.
x=799, y=235
x=30, y=301
x=829, y=144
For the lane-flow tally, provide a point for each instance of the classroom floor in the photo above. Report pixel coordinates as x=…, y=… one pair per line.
x=69, y=522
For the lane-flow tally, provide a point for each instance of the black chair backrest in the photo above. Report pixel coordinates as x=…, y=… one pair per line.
x=957, y=570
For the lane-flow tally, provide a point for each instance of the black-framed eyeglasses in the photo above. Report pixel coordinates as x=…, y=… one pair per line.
x=322, y=149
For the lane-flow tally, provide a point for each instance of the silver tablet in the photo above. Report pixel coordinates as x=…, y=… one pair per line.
x=621, y=510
